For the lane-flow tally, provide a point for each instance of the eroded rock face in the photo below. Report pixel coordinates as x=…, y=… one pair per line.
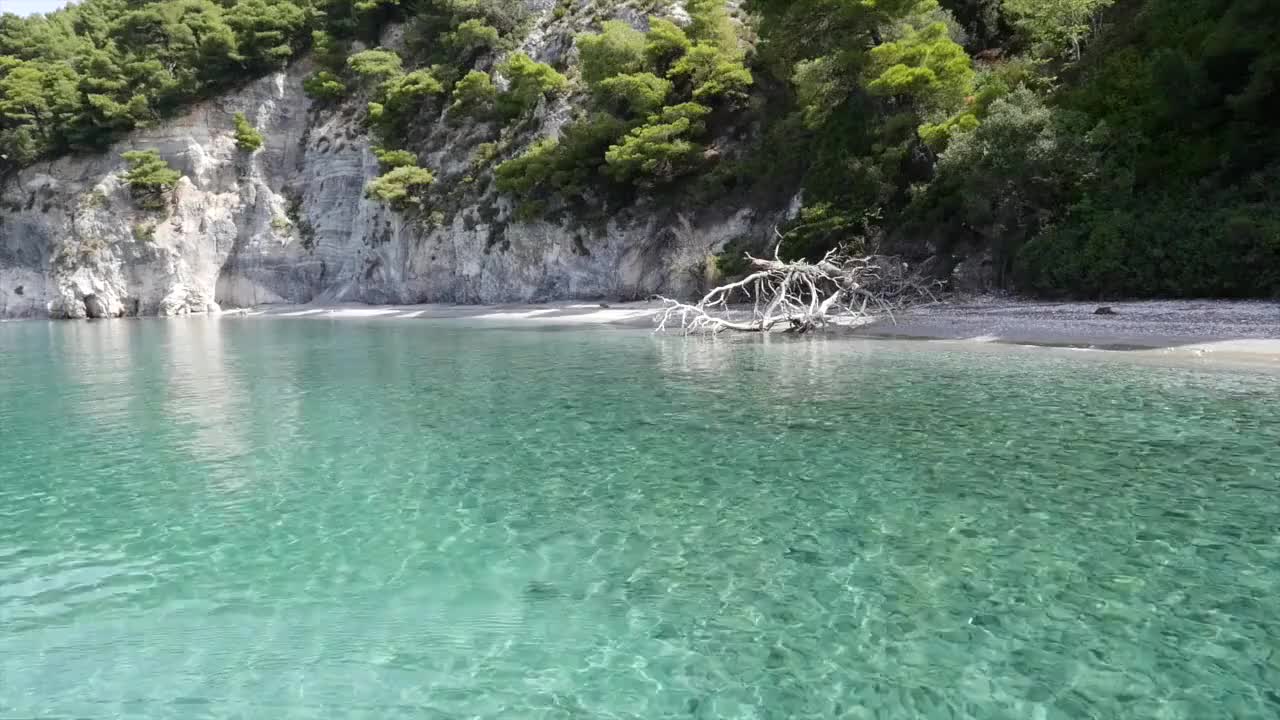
x=94, y=307
x=290, y=223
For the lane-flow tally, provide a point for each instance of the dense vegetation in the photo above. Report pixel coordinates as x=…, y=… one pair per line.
x=1091, y=147
x=649, y=97
x=79, y=78
x=1094, y=149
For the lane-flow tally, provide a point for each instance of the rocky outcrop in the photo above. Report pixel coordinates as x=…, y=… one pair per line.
x=290, y=223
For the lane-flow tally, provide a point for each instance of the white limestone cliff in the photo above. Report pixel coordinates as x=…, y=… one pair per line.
x=290, y=223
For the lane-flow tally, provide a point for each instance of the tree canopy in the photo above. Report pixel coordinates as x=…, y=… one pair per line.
x=1091, y=147
x=78, y=78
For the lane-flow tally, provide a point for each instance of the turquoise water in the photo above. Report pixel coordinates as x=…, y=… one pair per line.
x=310, y=519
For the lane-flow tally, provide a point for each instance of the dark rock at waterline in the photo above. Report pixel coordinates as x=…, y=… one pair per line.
x=1105, y=310
x=94, y=307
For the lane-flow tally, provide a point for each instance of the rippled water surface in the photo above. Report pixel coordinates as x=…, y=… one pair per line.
x=307, y=519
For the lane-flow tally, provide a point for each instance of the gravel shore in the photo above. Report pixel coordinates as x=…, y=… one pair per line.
x=1133, y=325
x=1193, y=327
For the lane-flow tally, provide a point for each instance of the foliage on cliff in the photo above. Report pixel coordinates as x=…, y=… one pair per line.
x=248, y=138
x=150, y=179
x=1092, y=147
x=649, y=94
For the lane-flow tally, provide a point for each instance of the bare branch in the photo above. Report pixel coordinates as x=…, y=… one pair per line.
x=802, y=296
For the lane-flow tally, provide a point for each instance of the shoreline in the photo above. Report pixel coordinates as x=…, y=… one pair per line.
x=1193, y=328
x=1247, y=331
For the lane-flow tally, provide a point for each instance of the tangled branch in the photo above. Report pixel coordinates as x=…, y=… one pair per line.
x=800, y=296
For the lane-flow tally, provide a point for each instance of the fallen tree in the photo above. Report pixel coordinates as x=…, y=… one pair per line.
x=800, y=296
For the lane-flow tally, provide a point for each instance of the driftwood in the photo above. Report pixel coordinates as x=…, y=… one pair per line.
x=800, y=296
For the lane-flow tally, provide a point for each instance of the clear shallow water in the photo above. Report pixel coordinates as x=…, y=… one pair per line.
x=306, y=519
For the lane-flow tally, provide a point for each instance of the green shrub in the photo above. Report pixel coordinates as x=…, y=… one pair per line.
x=822, y=89
x=324, y=85
x=485, y=154
x=149, y=178
x=529, y=81
x=508, y=17
x=664, y=44
x=328, y=51
x=475, y=94
x=458, y=31
x=406, y=91
x=1055, y=27
x=938, y=135
x=144, y=232
x=266, y=32
x=1000, y=183
x=711, y=24
x=396, y=186
x=573, y=165
x=376, y=65
x=400, y=101
x=732, y=262
x=471, y=37
x=991, y=85
x=583, y=145
x=522, y=175
x=822, y=226
x=371, y=6
x=392, y=159
x=712, y=73
x=248, y=139
x=661, y=149
x=618, y=49
x=632, y=95
x=925, y=65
